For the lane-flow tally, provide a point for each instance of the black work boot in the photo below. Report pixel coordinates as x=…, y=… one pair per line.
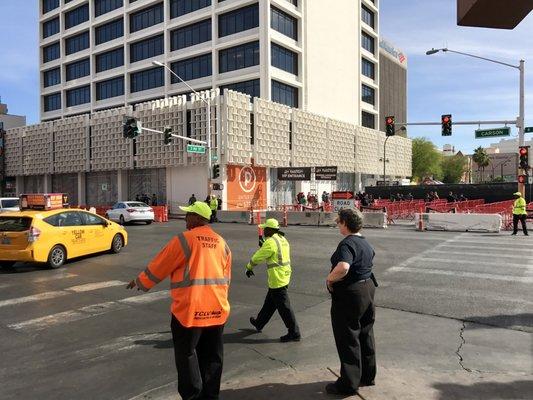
x=290, y=337
x=253, y=321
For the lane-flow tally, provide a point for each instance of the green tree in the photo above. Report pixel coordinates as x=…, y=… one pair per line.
x=453, y=168
x=426, y=160
x=482, y=160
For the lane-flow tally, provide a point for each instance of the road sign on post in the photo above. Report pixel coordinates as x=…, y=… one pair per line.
x=528, y=129
x=485, y=133
x=193, y=148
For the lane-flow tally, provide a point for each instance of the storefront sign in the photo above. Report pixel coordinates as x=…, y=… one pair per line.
x=294, y=174
x=43, y=201
x=326, y=173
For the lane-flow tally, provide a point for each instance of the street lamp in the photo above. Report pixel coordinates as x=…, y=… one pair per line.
x=208, y=104
x=521, y=111
x=385, y=153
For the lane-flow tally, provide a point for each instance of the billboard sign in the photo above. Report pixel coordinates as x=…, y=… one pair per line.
x=246, y=188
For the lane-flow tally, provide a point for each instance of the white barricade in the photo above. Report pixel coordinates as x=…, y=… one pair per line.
x=460, y=222
x=279, y=215
x=303, y=218
x=375, y=220
x=233, y=216
x=328, y=218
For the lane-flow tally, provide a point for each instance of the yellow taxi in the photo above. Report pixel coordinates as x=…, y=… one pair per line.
x=45, y=231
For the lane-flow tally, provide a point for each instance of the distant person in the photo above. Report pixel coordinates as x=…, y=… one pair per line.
x=451, y=198
x=154, y=199
x=138, y=197
x=409, y=197
x=192, y=200
x=435, y=195
x=519, y=213
x=219, y=200
x=213, y=205
x=462, y=197
x=399, y=196
x=324, y=197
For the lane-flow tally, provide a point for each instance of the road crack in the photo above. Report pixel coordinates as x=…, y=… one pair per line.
x=458, y=351
x=272, y=358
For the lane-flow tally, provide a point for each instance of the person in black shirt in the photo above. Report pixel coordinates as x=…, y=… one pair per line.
x=352, y=286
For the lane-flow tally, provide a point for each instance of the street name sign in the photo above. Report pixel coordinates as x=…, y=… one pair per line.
x=485, y=133
x=528, y=129
x=193, y=148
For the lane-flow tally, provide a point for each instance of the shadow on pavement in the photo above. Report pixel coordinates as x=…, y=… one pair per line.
x=517, y=390
x=501, y=321
x=157, y=344
x=245, y=336
x=279, y=391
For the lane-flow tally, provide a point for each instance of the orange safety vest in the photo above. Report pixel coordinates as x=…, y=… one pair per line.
x=199, y=264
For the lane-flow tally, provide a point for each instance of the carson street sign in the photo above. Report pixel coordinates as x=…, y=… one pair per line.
x=485, y=133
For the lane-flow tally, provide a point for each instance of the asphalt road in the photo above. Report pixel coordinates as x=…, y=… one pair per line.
x=78, y=333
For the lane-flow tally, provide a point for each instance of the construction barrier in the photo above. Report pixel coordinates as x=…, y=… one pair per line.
x=303, y=218
x=234, y=216
x=281, y=216
x=160, y=213
x=370, y=219
x=459, y=222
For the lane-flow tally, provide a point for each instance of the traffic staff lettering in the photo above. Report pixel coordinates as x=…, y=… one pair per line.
x=198, y=263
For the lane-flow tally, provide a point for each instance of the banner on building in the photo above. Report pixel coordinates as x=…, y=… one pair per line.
x=247, y=188
x=326, y=173
x=294, y=174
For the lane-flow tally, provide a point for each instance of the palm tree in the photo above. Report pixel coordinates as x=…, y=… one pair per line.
x=481, y=158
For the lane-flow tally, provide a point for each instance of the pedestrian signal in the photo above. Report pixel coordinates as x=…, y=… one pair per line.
x=389, y=125
x=523, y=157
x=446, y=122
x=522, y=179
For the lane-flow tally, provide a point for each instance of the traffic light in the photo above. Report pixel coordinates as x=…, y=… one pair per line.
x=216, y=171
x=389, y=125
x=523, y=157
x=131, y=128
x=522, y=178
x=168, y=135
x=446, y=121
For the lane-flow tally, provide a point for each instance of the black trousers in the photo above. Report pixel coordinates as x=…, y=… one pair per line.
x=352, y=318
x=278, y=299
x=199, y=357
x=522, y=219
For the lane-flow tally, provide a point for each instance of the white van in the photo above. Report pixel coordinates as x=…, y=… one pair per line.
x=9, y=204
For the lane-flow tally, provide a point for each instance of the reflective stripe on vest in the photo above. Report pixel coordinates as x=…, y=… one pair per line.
x=280, y=262
x=151, y=276
x=187, y=281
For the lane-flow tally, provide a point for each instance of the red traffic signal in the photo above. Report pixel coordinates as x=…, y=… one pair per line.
x=523, y=157
x=446, y=123
x=389, y=126
x=522, y=179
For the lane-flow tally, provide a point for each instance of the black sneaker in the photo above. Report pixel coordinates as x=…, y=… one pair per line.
x=253, y=321
x=514, y=233
x=290, y=338
x=369, y=383
x=332, y=388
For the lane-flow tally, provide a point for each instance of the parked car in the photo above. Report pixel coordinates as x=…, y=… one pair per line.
x=131, y=211
x=9, y=204
x=54, y=236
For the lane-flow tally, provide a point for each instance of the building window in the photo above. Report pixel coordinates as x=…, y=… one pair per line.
x=283, y=23
x=284, y=94
x=238, y=57
x=52, y=77
x=182, y=7
x=51, y=52
x=112, y=30
x=147, y=79
x=192, y=68
x=367, y=42
x=104, y=6
x=77, y=43
x=368, y=95
x=77, y=69
x=147, y=48
x=284, y=59
x=368, y=120
x=147, y=17
x=52, y=102
x=77, y=16
x=251, y=88
x=49, y=5
x=294, y=2
x=368, y=68
x=78, y=96
x=50, y=27
x=110, y=88
x=190, y=35
x=110, y=59
x=238, y=20
x=367, y=15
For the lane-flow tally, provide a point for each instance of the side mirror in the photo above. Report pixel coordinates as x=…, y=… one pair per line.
x=105, y=223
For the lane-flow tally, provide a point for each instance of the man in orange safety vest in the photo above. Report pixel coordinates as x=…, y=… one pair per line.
x=198, y=262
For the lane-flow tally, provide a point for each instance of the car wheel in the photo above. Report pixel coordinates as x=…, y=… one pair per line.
x=117, y=244
x=7, y=264
x=57, y=257
x=148, y=222
x=121, y=220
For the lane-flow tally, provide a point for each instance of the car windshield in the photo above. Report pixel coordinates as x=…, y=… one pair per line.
x=10, y=203
x=15, y=224
x=137, y=204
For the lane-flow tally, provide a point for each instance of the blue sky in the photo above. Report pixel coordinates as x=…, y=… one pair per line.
x=440, y=84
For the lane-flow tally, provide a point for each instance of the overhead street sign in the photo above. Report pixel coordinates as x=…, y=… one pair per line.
x=485, y=133
x=193, y=148
x=528, y=129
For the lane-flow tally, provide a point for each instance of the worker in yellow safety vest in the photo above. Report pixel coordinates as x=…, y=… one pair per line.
x=213, y=205
x=275, y=251
x=519, y=213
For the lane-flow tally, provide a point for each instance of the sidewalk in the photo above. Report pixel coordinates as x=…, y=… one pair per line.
x=419, y=357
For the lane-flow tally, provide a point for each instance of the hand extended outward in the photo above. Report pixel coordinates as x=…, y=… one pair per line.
x=132, y=284
x=249, y=273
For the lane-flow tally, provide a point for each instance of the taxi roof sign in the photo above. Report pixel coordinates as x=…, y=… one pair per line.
x=43, y=201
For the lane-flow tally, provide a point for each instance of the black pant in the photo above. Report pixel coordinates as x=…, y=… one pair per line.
x=214, y=216
x=278, y=299
x=199, y=356
x=352, y=318
x=522, y=219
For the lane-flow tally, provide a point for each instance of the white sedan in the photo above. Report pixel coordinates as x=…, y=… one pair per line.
x=130, y=211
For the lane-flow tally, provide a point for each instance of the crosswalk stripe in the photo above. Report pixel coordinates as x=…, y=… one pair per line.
x=463, y=274
x=147, y=298
x=54, y=277
x=484, y=263
x=94, y=286
x=35, y=297
x=502, y=247
x=492, y=255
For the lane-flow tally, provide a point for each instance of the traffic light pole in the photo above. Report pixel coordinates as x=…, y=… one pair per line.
x=385, y=160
